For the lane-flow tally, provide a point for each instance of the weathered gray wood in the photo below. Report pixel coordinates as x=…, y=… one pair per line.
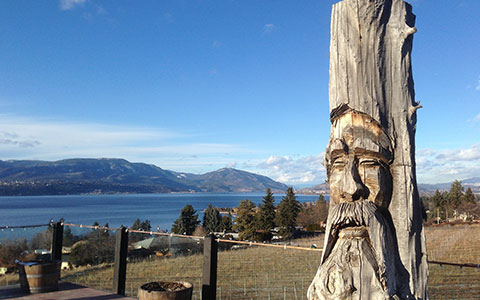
x=120, y=264
x=372, y=252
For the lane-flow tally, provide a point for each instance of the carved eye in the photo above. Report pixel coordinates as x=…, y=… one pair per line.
x=369, y=162
x=339, y=162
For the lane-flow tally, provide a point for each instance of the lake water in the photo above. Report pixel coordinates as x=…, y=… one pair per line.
x=116, y=210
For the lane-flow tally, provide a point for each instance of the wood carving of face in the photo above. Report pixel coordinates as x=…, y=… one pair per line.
x=357, y=161
x=359, y=259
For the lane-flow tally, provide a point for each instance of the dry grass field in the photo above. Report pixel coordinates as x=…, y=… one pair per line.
x=458, y=244
x=275, y=273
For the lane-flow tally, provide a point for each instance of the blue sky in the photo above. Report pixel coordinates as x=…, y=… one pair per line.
x=197, y=85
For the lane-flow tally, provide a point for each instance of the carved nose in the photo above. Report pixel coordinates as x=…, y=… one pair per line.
x=353, y=188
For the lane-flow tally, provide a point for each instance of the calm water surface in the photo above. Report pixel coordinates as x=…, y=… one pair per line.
x=116, y=210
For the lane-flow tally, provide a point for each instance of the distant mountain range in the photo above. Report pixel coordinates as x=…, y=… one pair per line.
x=321, y=188
x=105, y=176
x=473, y=183
x=80, y=176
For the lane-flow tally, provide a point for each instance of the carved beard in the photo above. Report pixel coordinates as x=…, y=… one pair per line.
x=359, y=256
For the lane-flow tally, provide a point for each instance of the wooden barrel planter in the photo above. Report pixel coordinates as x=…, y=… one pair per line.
x=39, y=277
x=165, y=290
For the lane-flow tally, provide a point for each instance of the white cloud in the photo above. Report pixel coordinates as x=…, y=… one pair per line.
x=268, y=28
x=277, y=160
x=294, y=170
x=469, y=154
x=433, y=166
x=436, y=166
x=12, y=139
x=25, y=138
x=478, y=85
x=70, y=4
x=232, y=165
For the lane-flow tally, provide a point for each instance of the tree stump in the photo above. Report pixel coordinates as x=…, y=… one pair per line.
x=374, y=243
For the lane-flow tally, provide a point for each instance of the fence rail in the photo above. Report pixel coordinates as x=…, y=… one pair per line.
x=24, y=226
x=477, y=266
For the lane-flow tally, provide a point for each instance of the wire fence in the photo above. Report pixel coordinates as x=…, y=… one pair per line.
x=264, y=272
x=447, y=282
x=88, y=255
x=168, y=258
x=246, y=270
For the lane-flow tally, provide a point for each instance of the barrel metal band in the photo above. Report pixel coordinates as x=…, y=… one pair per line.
x=43, y=275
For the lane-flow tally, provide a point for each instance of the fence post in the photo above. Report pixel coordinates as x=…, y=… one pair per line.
x=120, y=267
x=209, y=285
x=57, y=241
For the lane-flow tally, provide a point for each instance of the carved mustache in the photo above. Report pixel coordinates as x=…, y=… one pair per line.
x=358, y=213
x=353, y=214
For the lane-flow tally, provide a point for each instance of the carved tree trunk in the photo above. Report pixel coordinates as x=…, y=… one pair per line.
x=371, y=74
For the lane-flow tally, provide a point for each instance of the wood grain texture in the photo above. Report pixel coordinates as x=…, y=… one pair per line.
x=371, y=76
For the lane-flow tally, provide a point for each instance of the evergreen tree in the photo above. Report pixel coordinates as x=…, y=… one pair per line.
x=438, y=200
x=446, y=204
x=455, y=196
x=469, y=196
x=68, y=237
x=226, y=223
x=287, y=213
x=186, y=222
x=321, y=209
x=211, y=219
x=96, y=235
x=98, y=244
x=440, y=203
x=145, y=225
x=245, y=220
x=267, y=212
x=266, y=216
x=136, y=225
x=427, y=202
x=105, y=232
x=469, y=207
x=140, y=225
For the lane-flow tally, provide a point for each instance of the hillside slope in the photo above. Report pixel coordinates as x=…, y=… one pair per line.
x=76, y=176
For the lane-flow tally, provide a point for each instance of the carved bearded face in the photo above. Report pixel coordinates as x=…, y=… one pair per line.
x=357, y=161
x=358, y=260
